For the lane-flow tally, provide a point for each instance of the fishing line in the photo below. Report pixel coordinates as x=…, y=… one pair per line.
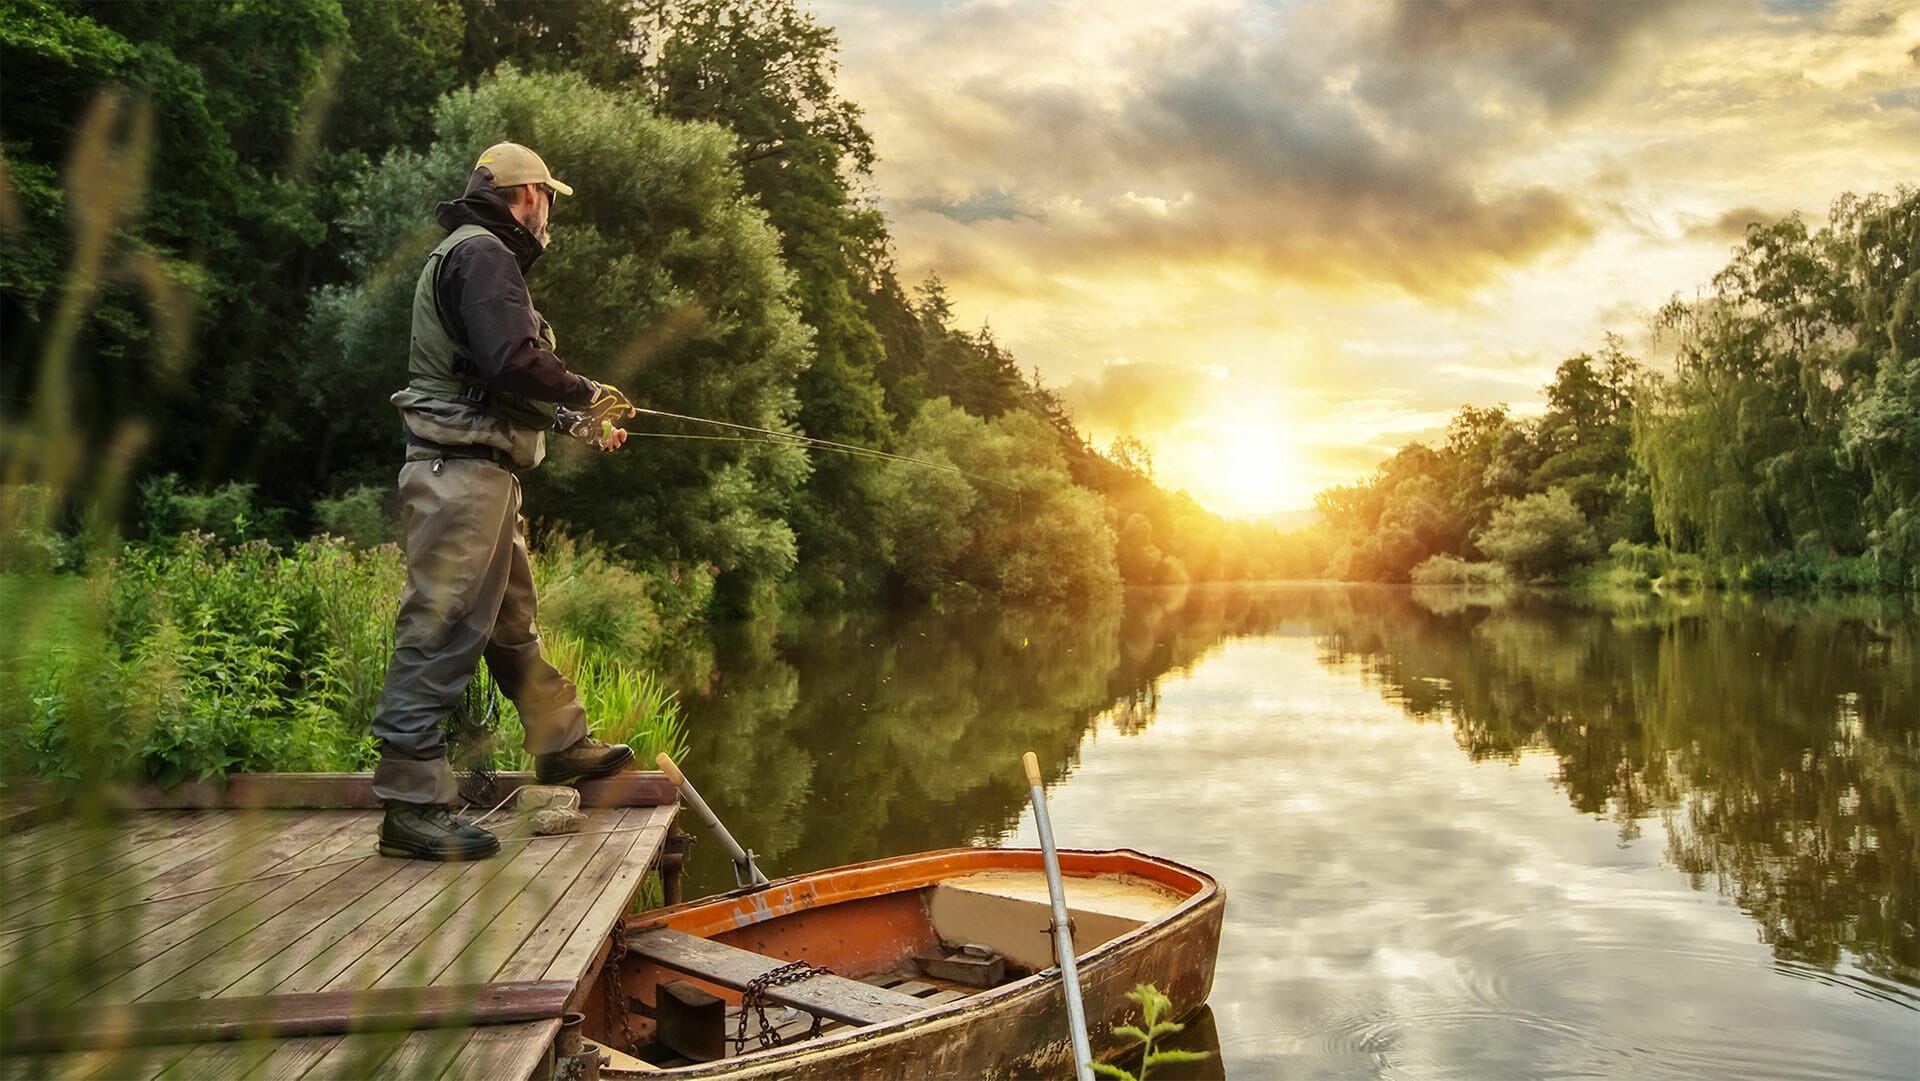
x=795, y=439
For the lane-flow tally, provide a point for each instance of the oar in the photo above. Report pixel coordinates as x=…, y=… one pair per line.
x=744, y=871
x=1062, y=929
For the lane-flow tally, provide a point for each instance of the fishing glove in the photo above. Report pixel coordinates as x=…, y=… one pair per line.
x=608, y=404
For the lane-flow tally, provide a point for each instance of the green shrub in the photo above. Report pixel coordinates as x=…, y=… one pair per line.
x=1446, y=570
x=624, y=705
x=1541, y=536
x=1810, y=572
x=228, y=513
x=360, y=516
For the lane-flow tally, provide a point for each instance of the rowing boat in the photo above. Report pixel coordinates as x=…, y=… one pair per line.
x=931, y=965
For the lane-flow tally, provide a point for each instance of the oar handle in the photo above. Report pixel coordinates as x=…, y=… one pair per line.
x=744, y=869
x=1029, y=760
x=672, y=771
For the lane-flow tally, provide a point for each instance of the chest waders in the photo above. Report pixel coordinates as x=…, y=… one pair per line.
x=469, y=594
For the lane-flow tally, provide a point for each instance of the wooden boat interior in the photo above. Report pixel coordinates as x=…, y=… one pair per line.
x=898, y=942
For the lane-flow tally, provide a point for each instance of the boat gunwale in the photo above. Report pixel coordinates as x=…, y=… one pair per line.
x=1191, y=907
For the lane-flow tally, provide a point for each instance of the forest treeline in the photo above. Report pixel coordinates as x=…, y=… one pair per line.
x=268, y=172
x=723, y=259
x=1774, y=442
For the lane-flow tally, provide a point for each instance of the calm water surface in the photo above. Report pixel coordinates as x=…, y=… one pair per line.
x=1461, y=836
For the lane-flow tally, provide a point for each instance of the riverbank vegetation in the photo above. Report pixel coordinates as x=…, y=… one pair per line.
x=269, y=175
x=1772, y=444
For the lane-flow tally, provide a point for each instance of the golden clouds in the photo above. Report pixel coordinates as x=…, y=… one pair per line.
x=1367, y=213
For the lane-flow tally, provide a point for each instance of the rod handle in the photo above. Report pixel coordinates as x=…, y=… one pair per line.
x=672, y=771
x=1032, y=762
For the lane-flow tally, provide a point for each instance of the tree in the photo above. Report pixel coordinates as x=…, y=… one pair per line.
x=764, y=69
x=1540, y=536
x=687, y=305
x=996, y=513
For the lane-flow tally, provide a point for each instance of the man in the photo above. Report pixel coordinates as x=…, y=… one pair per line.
x=484, y=388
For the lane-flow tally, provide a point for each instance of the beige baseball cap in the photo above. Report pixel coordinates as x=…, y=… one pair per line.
x=512, y=165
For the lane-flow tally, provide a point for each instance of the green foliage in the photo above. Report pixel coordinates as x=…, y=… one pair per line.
x=220, y=659
x=1154, y=1007
x=663, y=278
x=1445, y=570
x=231, y=513
x=360, y=517
x=1541, y=536
x=1811, y=572
x=1003, y=518
x=613, y=609
x=624, y=705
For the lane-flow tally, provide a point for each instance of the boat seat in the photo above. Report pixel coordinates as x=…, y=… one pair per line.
x=836, y=997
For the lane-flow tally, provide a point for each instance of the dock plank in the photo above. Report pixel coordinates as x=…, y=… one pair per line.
x=163, y=901
x=198, y=923
x=500, y=940
x=230, y=918
x=264, y=945
x=155, y=930
x=503, y=1051
x=420, y=949
x=583, y=944
x=324, y=942
x=292, y=1059
x=121, y=870
x=355, y=960
x=828, y=995
x=221, y=1061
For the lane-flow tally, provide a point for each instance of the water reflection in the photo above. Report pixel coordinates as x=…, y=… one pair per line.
x=1774, y=744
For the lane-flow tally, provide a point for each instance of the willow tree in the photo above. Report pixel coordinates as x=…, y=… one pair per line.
x=663, y=277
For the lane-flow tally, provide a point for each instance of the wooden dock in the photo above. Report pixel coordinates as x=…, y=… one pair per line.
x=251, y=940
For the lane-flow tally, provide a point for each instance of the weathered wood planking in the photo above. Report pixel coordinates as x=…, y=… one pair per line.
x=322, y=943
x=229, y=915
x=186, y=1021
x=171, y=897
x=842, y=999
x=577, y=954
x=267, y=943
x=419, y=949
x=124, y=870
x=207, y=927
x=503, y=1051
x=612, y=878
x=311, y=792
x=492, y=947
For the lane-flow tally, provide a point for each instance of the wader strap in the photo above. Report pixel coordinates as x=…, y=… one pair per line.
x=469, y=450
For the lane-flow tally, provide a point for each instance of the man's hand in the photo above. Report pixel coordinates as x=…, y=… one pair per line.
x=600, y=435
x=608, y=404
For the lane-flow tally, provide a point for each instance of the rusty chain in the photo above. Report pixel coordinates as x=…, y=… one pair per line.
x=754, y=997
x=614, y=994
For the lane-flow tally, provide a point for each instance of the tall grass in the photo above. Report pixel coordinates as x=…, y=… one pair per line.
x=218, y=659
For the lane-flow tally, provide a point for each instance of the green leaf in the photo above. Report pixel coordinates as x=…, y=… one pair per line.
x=1159, y=1057
x=1115, y=1072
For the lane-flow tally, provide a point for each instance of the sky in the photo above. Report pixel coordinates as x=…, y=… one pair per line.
x=1278, y=241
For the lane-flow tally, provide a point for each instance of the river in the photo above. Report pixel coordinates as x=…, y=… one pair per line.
x=1461, y=835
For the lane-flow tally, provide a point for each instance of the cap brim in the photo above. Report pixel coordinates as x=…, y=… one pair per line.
x=559, y=187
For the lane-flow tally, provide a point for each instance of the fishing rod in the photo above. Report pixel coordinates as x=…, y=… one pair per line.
x=769, y=435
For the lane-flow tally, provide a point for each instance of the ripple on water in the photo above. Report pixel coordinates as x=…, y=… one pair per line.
x=1585, y=1008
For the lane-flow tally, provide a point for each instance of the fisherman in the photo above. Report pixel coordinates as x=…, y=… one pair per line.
x=484, y=388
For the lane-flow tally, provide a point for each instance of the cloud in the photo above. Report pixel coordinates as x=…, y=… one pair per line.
x=1272, y=142
x=1562, y=54
x=1731, y=227
x=1136, y=398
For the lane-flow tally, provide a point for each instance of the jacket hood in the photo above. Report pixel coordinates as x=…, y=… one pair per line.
x=484, y=206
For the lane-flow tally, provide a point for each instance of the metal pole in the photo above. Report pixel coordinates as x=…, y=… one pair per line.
x=744, y=870
x=1062, y=929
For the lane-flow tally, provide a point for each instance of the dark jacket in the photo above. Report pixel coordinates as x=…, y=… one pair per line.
x=484, y=303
